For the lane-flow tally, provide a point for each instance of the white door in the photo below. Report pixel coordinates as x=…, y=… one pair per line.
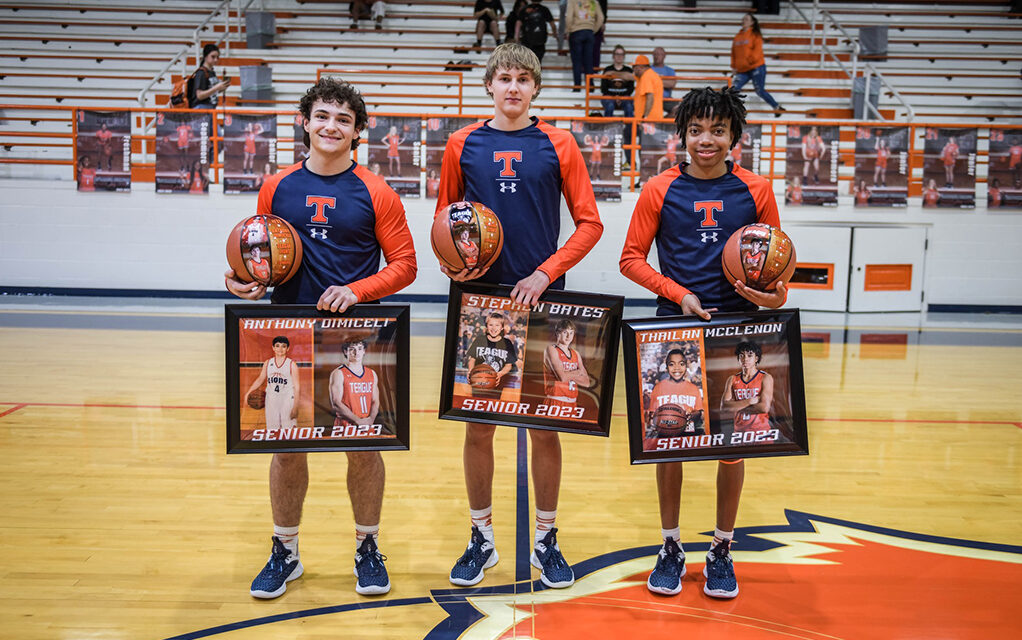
x=820, y=282
x=887, y=269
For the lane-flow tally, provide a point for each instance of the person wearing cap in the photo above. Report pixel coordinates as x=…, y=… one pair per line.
x=649, y=89
x=203, y=87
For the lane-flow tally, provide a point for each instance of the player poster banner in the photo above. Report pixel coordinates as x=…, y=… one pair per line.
x=1004, y=172
x=811, y=163
x=299, y=379
x=550, y=366
x=881, y=167
x=250, y=151
x=747, y=152
x=103, y=150
x=438, y=130
x=393, y=145
x=661, y=148
x=600, y=143
x=728, y=388
x=949, y=168
x=182, y=152
x=301, y=150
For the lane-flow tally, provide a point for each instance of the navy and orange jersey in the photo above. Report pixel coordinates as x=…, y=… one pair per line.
x=553, y=385
x=748, y=390
x=678, y=392
x=521, y=175
x=691, y=219
x=357, y=393
x=344, y=221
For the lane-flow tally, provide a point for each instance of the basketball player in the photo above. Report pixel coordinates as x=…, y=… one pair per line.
x=930, y=194
x=519, y=166
x=280, y=375
x=184, y=141
x=348, y=217
x=994, y=194
x=392, y=140
x=432, y=183
x=671, y=152
x=1015, y=161
x=880, y=169
x=949, y=154
x=682, y=209
x=467, y=248
x=354, y=388
x=104, y=137
x=750, y=392
x=563, y=369
x=793, y=195
x=862, y=194
x=495, y=349
x=252, y=129
x=813, y=150
x=675, y=389
x=258, y=266
x=596, y=145
x=86, y=174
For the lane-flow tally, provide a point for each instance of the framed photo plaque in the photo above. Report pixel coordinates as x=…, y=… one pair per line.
x=551, y=366
x=300, y=379
x=724, y=389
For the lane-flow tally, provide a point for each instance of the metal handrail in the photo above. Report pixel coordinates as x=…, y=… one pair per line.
x=855, y=48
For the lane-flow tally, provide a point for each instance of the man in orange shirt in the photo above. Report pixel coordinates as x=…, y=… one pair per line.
x=649, y=89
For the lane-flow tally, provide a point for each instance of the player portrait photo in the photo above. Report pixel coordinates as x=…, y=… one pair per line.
x=305, y=380
x=949, y=168
x=747, y=151
x=250, y=151
x=438, y=130
x=881, y=167
x=662, y=148
x=1004, y=171
x=600, y=143
x=301, y=152
x=548, y=366
x=103, y=150
x=811, y=165
x=183, y=149
x=393, y=147
x=724, y=389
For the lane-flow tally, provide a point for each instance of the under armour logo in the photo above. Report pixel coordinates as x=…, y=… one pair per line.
x=321, y=234
x=508, y=186
x=709, y=236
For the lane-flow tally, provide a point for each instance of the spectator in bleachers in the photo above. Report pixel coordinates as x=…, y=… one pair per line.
x=583, y=19
x=486, y=13
x=511, y=24
x=747, y=61
x=203, y=87
x=666, y=76
x=359, y=9
x=598, y=44
x=534, y=26
x=620, y=84
x=649, y=89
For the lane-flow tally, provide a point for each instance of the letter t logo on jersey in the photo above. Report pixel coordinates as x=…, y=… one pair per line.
x=320, y=202
x=507, y=158
x=709, y=208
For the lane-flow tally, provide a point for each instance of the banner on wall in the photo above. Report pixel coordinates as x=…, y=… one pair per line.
x=301, y=151
x=1004, y=175
x=881, y=167
x=103, y=149
x=393, y=145
x=250, y=151
x=949, y=168
x=747, y=151
x=600, y=143
x=438, y=130
x=811, y=163
x=662, y=148
x=182, y=152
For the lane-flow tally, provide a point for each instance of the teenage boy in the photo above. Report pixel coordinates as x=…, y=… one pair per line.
x=691, y=210
x=348, y=216
x=519, y=166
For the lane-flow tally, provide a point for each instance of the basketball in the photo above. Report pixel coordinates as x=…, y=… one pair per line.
x=670, y=420
x=466, y=235
x=257, y=399
x=482, y=376
x=759, y=255
x=264, y=249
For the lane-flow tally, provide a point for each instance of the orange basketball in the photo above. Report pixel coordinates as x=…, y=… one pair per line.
x=759, y=255
x=670, y=420
x=257, y=399
x=466, y=235
x=482, y=376
x=264, y=249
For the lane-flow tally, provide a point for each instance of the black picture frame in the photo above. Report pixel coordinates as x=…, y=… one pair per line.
x=679, y=368
x=317, y=342
x=521, y=398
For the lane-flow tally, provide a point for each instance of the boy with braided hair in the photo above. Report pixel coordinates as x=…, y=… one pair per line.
x=691, y=210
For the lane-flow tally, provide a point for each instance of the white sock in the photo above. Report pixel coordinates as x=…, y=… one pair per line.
x=363, y=530
x=483, y=519
x=720, y=536
x=288, y=537
x=544, y=523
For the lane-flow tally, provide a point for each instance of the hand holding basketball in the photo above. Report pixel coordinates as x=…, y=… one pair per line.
x=769, y=299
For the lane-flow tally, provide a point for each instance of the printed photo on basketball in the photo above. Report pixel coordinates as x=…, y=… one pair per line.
x=304, y=380
x=103, y=150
